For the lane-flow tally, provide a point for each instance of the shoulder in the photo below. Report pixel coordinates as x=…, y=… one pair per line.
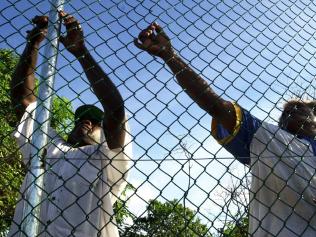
x=274, y=132
x=272, y=139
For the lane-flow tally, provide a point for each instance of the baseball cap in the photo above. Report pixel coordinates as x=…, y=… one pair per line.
x=90, y=112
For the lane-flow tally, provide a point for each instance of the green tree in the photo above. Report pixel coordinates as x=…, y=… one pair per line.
x=167, y=220
x=237, y=228
x=235, y=211
x=120, y=207
x=12, y=170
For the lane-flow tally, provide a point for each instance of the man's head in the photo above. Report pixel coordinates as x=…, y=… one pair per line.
x=88, y=126
x=299, y=117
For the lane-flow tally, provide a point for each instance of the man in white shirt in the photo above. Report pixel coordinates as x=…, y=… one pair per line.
x=85, y=174
x=281, y=158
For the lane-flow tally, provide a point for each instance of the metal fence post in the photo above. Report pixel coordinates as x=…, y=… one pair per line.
x=31, y=213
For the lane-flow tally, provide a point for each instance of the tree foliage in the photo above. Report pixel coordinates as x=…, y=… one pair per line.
x=167, y=219
x=237, y=228
x=12, y=170
x=120, y=207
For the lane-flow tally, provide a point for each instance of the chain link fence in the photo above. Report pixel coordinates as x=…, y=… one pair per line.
x=181, y=181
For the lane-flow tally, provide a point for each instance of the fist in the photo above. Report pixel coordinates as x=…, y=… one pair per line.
x=155, y=41
x=39, y=32
x=74, y=40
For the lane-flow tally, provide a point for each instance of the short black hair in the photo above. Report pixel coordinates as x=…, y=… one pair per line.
x=292, y=105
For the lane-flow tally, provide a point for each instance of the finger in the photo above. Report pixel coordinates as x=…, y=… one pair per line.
x=44, y=31
x=151, y=27
x=150, y=30
x=40, y=21
x=66, y=17
x=62, y=39
x=73, y=26
x=156, y=25
x=160, y=31
x=139, y=45
x=144, y=35
x=62, y=13
x=148, y=27
x=71, y=23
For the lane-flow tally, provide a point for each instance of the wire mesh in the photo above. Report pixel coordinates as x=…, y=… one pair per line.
x=179, y=181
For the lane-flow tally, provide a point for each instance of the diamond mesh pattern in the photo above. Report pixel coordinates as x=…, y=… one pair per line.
x=181, y=182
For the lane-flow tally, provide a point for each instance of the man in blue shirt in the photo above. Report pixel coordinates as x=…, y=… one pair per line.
x=281, y=158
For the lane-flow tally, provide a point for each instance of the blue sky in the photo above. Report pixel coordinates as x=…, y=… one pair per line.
x=255, y=52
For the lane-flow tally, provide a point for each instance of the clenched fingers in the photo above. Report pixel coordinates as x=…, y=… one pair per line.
x=40, y=21
x=70, y=21
x=160, y=31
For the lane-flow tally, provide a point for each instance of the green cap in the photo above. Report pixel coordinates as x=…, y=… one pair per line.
x=89, y=112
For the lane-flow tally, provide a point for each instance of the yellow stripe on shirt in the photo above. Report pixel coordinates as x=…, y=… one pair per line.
x=227, y=139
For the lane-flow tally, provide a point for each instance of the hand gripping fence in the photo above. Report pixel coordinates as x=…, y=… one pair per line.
x=179, y=172
x=35, y=176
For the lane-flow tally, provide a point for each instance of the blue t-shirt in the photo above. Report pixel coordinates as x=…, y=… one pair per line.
x=283, y=186
x=238, y=143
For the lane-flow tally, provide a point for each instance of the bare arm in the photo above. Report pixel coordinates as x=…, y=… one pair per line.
x=156, y=42
x=110, y=99
x=103, y=87
x=23, y=79
x=199, y=90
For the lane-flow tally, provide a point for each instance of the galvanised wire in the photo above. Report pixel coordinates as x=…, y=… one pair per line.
x=257, y=53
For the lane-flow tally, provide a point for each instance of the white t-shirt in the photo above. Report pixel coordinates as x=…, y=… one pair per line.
x=283, y=168
x=80, y=184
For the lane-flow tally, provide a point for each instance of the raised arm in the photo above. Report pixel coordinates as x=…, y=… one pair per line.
x=103, y=87
x=23, y=79
x=157, y=43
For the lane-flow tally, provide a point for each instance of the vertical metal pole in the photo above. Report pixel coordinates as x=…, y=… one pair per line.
x=32, y=210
